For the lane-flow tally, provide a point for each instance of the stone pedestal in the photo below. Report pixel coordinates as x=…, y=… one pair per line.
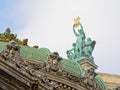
x=86, y=63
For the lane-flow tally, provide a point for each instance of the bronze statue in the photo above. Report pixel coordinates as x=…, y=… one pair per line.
x=82, y=48
x=73, y=53
x=80, y=38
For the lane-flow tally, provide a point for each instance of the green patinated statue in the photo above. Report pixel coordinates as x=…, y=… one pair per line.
x=82, y=47
x=80, y=38
x=88, y=48
x=73, y=53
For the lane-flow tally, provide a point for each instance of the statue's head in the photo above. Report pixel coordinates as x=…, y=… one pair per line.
x=13, y=45
x=89, y=39
x=54, y=55
x=74, y=44
x=90, y=70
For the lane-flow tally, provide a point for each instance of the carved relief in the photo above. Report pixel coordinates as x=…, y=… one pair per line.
x=89, y=78
x=116, y=88
x=13, y=83
x=53, y=63
x=33, y=70
x=12, y=51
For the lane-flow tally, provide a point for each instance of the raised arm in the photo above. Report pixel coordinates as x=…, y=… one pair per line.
x=76, y=34
x=81, y=27
x=82, y=30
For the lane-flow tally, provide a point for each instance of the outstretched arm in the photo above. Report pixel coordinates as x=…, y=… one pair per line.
x=82, y=30
x=81, y=26
x=75, y=31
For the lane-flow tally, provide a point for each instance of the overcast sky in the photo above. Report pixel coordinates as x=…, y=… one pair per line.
x=48, y=23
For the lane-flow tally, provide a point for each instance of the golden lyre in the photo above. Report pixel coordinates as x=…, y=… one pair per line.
x=76, y=21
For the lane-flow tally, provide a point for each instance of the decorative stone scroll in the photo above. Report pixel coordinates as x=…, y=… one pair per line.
x=53, y=63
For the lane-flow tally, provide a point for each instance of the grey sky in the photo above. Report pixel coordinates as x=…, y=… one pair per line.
x=48, y=23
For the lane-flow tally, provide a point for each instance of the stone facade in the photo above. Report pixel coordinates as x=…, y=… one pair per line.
x=18, y=73
x=110, y=79
x=32, y=71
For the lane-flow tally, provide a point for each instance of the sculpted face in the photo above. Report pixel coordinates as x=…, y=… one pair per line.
x=91, y=70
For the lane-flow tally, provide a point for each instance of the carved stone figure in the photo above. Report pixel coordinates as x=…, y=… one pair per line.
x=45, y=81
x=116, y=88
x=12, y=51
x=4, y=54
x=89, y=79
x=53, y=63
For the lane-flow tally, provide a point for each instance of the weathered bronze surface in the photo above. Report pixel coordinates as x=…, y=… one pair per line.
x=83, y=47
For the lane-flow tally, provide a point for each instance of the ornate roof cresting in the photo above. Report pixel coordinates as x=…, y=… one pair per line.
x=8, y=36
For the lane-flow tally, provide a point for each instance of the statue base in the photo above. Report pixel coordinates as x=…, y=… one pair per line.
x=85, y=63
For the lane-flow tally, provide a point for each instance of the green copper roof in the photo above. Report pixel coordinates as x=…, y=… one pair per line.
x=42, y=55
x=101, y=82
x=34, y=53
x=31, y=53
x=72, y=66
x=2, y=45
